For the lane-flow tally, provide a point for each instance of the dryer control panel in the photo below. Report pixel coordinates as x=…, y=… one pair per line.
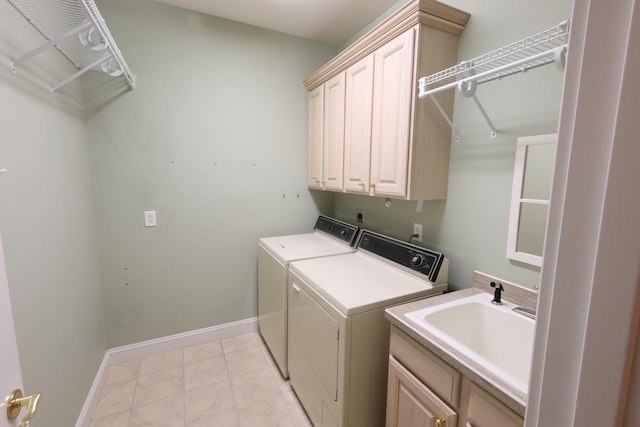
x=416, y=258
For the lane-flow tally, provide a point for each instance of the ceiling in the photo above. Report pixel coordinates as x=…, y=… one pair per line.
x=328, y=21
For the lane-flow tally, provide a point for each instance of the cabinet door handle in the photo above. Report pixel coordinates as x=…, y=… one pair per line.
x=468, y=424
x=440, y=422
x=372, y=185
x=295, y=287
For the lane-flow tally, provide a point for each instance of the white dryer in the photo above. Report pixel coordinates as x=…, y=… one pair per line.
x=338, y=335
x=330, y=237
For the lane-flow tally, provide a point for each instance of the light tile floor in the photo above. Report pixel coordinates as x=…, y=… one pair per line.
x=230, y=382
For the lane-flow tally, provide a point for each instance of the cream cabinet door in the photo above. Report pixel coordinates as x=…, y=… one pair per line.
x=357, y=126
x=484, y=410
x=333, y=156
x=411, y=404
x=316, y=137
x=393, y=83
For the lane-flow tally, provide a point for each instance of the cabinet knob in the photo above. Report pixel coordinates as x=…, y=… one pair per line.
x=440, y=422
x=361, y=184
x=372, y=185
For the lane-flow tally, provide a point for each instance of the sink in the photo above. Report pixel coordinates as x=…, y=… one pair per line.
x=491, y=335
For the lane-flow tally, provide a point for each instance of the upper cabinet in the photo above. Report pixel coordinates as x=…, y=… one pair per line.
x=326, y=135
x=379, y=140
x=391, y=124
x=357, y=135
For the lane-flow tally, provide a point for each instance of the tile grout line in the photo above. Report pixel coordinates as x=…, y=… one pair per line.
x=281, y=384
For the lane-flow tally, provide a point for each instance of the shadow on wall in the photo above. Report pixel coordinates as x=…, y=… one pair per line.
x=35, y=77
x=100, y=91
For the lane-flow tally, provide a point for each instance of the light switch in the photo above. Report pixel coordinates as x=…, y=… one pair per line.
x=150, y=219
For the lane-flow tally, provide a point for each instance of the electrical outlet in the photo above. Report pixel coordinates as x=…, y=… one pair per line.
x=417, y=229
x=150, y=219
x=360, y=216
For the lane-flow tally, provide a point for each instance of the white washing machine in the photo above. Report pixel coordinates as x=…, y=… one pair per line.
x=338, y=335
x=330, y=237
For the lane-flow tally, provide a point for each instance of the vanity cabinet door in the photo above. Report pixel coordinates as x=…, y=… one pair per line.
x=484, y=410
x=410, y=403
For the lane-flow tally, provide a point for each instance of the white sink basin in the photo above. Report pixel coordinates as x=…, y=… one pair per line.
x=492, y=335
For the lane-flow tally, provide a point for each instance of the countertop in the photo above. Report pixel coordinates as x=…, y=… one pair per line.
x=500, y=389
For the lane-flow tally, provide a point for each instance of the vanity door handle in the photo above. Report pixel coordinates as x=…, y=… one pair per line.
x=295, y=287
x=468, y=424
x=440, y=422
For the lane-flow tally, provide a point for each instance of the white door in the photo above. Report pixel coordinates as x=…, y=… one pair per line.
x=10, y=373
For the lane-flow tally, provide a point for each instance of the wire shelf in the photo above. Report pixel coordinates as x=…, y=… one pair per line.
x=79, y=32
x=546, y=47
x=536, y=50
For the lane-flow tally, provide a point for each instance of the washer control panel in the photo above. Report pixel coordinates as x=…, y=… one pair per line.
x=338, y=229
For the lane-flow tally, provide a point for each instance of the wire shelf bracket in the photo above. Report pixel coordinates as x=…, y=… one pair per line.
x=546, y=47
x=79, y=32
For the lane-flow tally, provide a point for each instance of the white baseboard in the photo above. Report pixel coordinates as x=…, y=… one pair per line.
x=117, y=355
x=84, y=419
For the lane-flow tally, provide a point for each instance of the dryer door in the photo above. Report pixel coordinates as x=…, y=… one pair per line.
x=314, y=334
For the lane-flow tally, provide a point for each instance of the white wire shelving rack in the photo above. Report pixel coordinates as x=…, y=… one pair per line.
x=79, y=32
x=546, y=47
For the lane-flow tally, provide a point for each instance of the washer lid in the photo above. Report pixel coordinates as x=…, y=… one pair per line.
x=355, y=283
x=302, y=246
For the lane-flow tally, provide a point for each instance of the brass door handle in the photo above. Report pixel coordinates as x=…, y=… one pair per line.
x=15, y=402
x=440, y=422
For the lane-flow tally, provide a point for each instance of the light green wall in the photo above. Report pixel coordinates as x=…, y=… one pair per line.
x=470, y=227
x=47, y=225
x=213, y=139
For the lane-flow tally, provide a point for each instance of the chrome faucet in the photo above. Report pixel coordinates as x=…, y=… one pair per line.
x=497, y=295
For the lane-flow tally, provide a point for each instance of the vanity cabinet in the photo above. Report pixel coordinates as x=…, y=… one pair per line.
x=423, y=390
x=395, y=145
x=412, y=403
